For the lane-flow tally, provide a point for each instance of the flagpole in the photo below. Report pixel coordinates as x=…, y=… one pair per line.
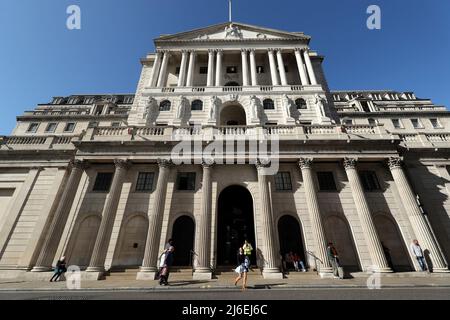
x=231, y=9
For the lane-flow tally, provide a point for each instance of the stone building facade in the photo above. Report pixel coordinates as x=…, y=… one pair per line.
x=92, y=177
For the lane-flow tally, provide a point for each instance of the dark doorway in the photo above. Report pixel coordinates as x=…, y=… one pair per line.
x=232, y=84
x=290, y=237
x=183, y=237
x=235, y=224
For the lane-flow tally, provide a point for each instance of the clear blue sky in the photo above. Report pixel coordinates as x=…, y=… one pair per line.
x=41, y=58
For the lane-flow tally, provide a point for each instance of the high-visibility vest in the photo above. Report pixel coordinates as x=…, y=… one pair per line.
x=247, y=249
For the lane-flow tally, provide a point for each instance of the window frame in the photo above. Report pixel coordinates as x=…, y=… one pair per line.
x=201, y=103
x=319, y=186
x=203, y=70
x=419, y=123
x=161, y=106
x=95, y=184
x=70, y=131
x=269, y=100
x=304, y=104
x=285, y=184
x=438, y=123
x=400, y=123
x=146, y=180
x=36, y=124
x=229, y=68
x=366, y=184
x=48, y=126
x=187, y=174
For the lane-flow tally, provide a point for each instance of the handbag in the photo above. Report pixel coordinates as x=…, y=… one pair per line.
x=238, y=270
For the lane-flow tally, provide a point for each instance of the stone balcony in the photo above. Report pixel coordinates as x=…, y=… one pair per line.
x=37, y=143
x=227, y=90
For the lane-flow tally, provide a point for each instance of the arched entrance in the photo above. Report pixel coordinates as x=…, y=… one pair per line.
x=84, y=242
x=132, y=242
x=290, y=236
x=183, y=233
x=391, y=239
x=233, y=115
x=338, y=232
x=235, y=224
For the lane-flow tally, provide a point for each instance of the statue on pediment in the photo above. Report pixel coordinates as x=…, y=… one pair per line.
x=215, y=104
x=254, y=107
x=233, y=31
x=287, y=105
x=182, y=108
x=320, y=104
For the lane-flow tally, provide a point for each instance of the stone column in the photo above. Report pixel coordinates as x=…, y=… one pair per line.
x=108, y=216
x=271, y=269
x=244, y=67
x=309, y=66
x=379, y=262
x=273, y=68
x=281, y=68
x=312, y=203
x=203, y=227
x=219, y=68
x=301, y=67
x=210, y=80
x=191, y=69
x=253, y=68
x=183, y=69
x=418, y=222
x=162, y=81
x=155, y=70
x=149, y=264
x=54, y=232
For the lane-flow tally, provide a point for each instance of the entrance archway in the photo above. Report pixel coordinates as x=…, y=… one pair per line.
x=84, y=242
x=290, y=236
x=132, y=242
x=183, y=234
x=233, y=115
x=235, y=224
x=390, y=237
x=338, y=232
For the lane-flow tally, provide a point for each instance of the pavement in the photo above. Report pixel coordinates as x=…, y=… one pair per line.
x=180, y=281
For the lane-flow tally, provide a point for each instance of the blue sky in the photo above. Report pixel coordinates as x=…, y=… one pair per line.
x=41, y=58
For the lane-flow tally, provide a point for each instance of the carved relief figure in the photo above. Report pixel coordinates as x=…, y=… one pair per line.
x=254, y=107
x=320, y=104
x=233, y=31
x=182, y=108
x=287, y=105
x=215, y=103
x=151, y=109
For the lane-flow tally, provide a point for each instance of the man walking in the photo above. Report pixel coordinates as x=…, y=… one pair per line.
x=418, y=253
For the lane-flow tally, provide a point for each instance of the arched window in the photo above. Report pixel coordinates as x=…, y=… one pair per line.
x=165, y=105
x=268, y=104
x=301, y=103
x=197, y=105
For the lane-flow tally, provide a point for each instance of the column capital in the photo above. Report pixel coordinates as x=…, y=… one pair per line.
x=262, y=164
x=252, y=51
x=165, y=163
x=211, y=51
x=395, y=163
x=305, y=163
x=350, y=163
x=270, y=50
x=244, y=51
x=185, y=51
x=122, y=164
x=208, y=163
x=78, y=164
x=219, y=51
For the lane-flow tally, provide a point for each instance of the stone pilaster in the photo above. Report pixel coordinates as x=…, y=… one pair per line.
x=271, y=269
x=301, y=67
x=162, y=80
x=316, y=218
x=418, y=222
x=254, y=75
x=155, y=70
x=309, y=67
x=244, y=54
x=219, y=59
x=210, y=80
x=191, y=69
x=149, y=264
x=379, y=261
x=203, y=227
x=54, y=232
x=108, y=216
x=183, y=68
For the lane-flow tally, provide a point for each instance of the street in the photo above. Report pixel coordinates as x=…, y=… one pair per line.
x=227, y=294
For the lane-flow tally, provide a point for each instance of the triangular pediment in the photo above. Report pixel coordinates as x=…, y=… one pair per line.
x=233, y=31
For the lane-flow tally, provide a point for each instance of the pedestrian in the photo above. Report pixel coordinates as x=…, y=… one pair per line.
x=418, y=253
x=298, y=262
x=165, y=264
x=333, y=257
x=60, y=269
x=168, y=244
x=248, y=249
x=242, y=269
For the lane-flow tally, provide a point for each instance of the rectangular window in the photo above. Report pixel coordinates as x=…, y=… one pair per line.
x=103, y=181
x=70, y=127
x=326, y=181
x=93, y=124
x=435, y=123
x=232, y=69
x=145, y=181
x=186, y=181
x=416, y=123
x=115, y=124
x=51, y=127
x=397, y=123
x=203, y=70
x=283, y=181
x=369, y=180
x=32, y=128
x=348, y=122
x=259, y=69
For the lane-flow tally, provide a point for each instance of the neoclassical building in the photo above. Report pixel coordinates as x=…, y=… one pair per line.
x=93, y=177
